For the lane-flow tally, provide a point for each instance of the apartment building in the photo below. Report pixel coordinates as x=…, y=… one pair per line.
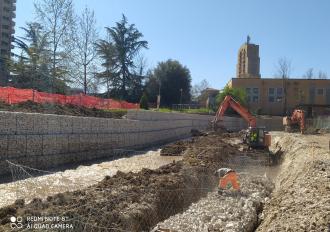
x=7, y=25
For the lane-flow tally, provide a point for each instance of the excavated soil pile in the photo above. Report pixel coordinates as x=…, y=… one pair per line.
x=175, y=149
x=135, y=201
x=301, y=198
x=47, y=108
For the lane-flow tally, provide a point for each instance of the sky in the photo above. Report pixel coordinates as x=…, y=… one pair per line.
x=205, y=35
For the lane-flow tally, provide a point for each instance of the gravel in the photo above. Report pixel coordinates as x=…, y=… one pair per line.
x=226, y=212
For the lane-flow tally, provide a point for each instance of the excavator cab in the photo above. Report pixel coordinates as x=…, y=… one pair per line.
x=257, y=137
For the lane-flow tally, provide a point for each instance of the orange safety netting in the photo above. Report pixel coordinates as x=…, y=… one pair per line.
x=12, y=95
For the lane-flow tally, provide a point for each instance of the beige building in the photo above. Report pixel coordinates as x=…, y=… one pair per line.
x=7, y=24
x=276, y=96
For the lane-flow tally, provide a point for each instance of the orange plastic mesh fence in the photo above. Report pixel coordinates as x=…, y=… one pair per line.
x=12, y=95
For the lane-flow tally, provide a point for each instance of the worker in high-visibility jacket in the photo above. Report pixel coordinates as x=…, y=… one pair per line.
x=227, y=175
x=253, y=137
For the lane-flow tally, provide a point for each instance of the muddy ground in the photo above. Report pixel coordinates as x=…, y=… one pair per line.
x=49, y=108
x=136, y=201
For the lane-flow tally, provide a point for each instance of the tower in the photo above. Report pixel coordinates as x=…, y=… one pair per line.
x=248, y=65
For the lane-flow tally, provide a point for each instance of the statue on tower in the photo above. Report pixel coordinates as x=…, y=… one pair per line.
x=248, y=39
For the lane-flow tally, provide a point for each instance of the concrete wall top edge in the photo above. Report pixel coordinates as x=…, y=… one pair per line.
x=62, y=116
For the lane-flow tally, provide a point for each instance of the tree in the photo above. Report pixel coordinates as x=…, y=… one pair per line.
x=144, y=102
x=322, y=75
x=237, y=93
x=284, y=71
x=34, y=56
x=107, y=52
x=86, y=36
x=152, y=86
x=135, y=87
x=309, y=74
x=283, y=68
x=126, y=40
x=171, y=77
x=57, y=18
x=198, y=88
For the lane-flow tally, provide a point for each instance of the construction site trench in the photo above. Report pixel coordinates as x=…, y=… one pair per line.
x=182, y=194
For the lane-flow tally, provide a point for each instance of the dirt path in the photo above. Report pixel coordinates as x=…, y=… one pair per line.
x=301, y=199
x=75, y=179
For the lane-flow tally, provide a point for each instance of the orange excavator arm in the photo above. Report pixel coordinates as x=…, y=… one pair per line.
x=230, y=102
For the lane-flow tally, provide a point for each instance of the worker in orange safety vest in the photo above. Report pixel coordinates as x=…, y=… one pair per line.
x=226, y=176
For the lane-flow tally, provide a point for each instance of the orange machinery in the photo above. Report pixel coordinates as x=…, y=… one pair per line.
x=255, y=136
x=297, y=119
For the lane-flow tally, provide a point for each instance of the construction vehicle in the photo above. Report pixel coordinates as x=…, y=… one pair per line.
x=295, y=122
x=255, y=137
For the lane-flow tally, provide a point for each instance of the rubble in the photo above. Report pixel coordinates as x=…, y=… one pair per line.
x=225, y=212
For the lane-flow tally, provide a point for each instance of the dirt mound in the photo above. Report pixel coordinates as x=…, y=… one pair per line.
x=48, y=108
x=300, y=201
x=175, y=149
x=196, y=133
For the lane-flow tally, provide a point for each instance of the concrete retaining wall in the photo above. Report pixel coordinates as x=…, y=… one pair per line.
x=43, y=141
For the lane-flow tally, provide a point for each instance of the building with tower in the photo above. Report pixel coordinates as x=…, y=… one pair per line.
x=277, y=96
x=248, y=64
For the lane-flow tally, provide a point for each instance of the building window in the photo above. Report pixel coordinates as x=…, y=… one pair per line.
x=252, y=94
x=275, y=94
x=279, y=91
x=5, y=27
x=320, y=91
x=255, y=91
x=255, y=98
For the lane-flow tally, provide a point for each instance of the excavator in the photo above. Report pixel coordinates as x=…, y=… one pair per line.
x=296, y=120
x=255, y=137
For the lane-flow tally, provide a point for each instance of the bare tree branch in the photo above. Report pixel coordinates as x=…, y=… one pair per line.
x=283, y=68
